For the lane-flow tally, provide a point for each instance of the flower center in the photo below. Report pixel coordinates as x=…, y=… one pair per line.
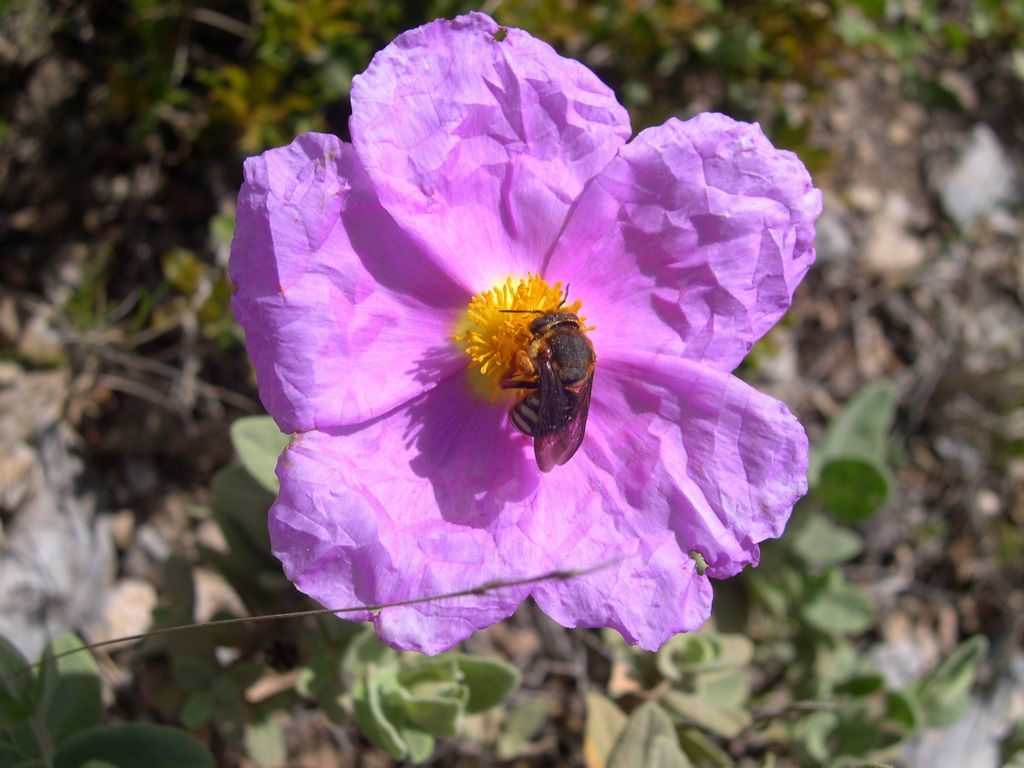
x=492, y=337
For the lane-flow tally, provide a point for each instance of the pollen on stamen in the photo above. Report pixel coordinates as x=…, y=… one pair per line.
x=492, y=337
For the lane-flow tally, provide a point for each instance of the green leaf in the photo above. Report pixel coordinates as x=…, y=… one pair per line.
x=860, y=430
x=197, y=710
x=239, y=498
x=857, y=732
x=727, y=688
x=371, y=714
x=428, y=674
x=134, y=745
x=46, y=679
x=944, y=695
x=664, y=752
x=522, y=724
x=649, y=739
x=835, y=661
x=178, y=594
x=195, y=673
x=17, y=685
x=853, y=489
x=726, y=721
x=604, y=725
x=421, y=745
x=265, y=744
x=902, y=709
x=490, y=681
x=687, y=653
x=1012, y=745
x=702, y=751
x=820, y=543
x=812, y=733
x=438, y=715
x=862, y=684
x=74, y=702
x=838, y=609
x=365, y=649
x=735, y=649
x=776, y=586
x=258, y=443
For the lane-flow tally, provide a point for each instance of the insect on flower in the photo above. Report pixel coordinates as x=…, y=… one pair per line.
x=403, y=302
x=560, y=359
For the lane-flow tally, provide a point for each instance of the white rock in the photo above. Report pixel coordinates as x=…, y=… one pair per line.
x=981, y=182
x=127, y=610
x=864, y=198
x=890, y=248
x=832, y=239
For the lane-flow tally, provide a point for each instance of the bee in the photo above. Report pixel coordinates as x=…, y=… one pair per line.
x=559, y=363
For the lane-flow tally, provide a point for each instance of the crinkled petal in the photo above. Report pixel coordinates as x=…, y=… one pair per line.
x=406, y=506
x=344, y=317
x=443, y=495
x=691, y=242
x=677, y=457
x=649, y=588
x=706, y=454
x=478, y=145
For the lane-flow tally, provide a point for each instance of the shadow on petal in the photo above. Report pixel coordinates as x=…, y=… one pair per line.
x=477, y=464
x=389, y=254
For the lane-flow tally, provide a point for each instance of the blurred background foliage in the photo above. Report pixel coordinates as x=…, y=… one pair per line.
x=188, y=89
x=123, y=126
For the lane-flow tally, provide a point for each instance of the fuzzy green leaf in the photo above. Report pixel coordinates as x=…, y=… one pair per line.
x=258, y=443
x=839, y=609
x=239, y=498
x=722, y=720
x=649, y=739
x=944, y=695
x=17, y=685
x=490, y=681
x=439, y=715
x=197, y=710
x=522, y=724
x=74, y=701
x=373, y=717
x=853, y=489
x=604, y=725
x=822, y=544
x=264, y=741
x=860, y=430
x=134, y=745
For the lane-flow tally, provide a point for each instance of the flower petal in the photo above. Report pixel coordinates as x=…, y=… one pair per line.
x=406, y=506
x=649, y=590
x=478, y=143
x=706, y=454
x=677, y=457
x=344, y=317
x=691, y=241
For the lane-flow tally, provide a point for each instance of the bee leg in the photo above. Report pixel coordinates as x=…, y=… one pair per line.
x=521, y=366
x=523, y=363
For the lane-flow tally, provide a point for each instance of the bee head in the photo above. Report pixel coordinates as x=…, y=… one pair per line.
x=551, y=320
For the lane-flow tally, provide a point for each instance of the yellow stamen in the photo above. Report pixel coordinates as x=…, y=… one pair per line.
x=492, y=337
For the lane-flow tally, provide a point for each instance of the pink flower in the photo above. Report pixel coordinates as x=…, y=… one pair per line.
x=480, y=159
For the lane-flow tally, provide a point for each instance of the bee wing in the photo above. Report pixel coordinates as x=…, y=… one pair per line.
x=563, y=420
